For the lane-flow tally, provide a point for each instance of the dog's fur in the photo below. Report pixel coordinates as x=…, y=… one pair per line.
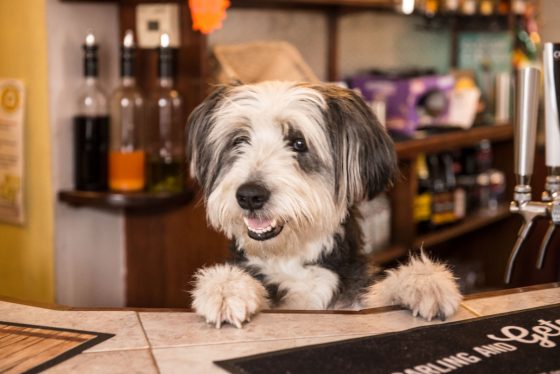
x=311, y=153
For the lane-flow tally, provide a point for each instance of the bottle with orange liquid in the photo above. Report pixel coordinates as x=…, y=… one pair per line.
x=127, y=154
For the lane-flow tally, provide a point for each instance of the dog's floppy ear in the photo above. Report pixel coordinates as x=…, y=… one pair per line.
x=199, y=152
x=364, y=155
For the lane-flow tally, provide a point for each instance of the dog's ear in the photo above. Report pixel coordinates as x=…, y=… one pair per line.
x=364, y=155
x=199, y=152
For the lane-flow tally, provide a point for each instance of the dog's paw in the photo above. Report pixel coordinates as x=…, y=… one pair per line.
x=226, y=293
x=427, y=288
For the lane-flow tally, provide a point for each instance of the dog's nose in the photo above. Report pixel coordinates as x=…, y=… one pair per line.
x=252, y=196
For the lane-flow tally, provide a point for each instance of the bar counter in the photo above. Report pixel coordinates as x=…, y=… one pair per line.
x=174, y=340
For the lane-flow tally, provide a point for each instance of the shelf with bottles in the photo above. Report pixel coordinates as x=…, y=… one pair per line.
x=477, y=219
x=315, y=4
x=471, y=8
x=474, y=175
x=128, y=150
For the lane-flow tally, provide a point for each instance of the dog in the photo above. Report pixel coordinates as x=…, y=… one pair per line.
x=282, y=167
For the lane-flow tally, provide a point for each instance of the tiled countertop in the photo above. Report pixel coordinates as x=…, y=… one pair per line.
x=179, y=341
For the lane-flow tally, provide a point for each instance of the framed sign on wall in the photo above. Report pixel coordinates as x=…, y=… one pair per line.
x=12, y=100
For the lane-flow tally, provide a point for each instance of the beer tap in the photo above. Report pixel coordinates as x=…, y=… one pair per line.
x=551, y=193
x=526, y=106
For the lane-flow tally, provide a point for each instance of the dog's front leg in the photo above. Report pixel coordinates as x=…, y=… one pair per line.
x=226, y=293
x=425, y=287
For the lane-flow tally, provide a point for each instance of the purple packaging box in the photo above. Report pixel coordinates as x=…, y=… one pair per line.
x=402, y=96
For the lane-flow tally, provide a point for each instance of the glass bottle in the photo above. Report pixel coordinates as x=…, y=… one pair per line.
x=456, y=195
x=486, y=7
x=127, y=155
x=166, y=155
x=468, y=7
x=91, y=126
x=451, y=6
x=442, y=200
x=423, y=198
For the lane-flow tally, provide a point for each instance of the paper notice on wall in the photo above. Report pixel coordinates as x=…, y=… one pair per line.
x=12, y=100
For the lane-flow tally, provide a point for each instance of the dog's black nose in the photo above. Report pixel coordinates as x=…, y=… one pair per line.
x=252, y=196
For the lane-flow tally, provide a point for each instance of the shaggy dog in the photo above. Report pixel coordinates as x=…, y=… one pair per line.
x=282, y=166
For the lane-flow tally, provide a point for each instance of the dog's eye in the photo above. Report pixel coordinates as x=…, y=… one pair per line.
x=299, y=145
x=238, y=140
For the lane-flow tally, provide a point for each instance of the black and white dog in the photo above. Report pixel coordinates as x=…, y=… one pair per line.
x=282, y=166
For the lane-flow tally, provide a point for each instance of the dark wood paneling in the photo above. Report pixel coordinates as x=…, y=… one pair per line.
x=402, y=200
x=333, y=73
x=164, y=248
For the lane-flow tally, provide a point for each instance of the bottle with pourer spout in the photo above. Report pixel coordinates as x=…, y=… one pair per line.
x=127, y=151
x=166, y=155
x=91, y=126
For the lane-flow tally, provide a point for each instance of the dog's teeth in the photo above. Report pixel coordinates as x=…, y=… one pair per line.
x=263, y=230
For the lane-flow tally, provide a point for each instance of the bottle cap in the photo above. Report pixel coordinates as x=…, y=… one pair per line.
x=90, y=55
x=128, y=52
x=165, y=60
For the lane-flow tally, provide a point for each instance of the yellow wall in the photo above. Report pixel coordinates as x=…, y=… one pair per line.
x=26, y=253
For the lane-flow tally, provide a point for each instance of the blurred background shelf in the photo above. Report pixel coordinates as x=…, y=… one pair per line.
x=292, y=4
x=409, y=149
x=136, y=200
x=474, y=221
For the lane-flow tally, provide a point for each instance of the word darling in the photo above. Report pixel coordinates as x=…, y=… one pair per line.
x=539, y=334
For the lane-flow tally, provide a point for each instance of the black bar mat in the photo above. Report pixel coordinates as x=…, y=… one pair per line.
x=33, y=349
x=519, y=342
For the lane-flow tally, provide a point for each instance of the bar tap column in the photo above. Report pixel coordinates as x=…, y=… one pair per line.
x=526, y=106
x=551, y=193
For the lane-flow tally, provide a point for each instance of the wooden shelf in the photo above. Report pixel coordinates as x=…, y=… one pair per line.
x=474, y=221
x=452, y=140
x=114, y=200
x=360, y=4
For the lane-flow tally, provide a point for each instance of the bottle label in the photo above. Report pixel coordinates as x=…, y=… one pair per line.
x=444, y=210
x=422, y=207
x=460, y=203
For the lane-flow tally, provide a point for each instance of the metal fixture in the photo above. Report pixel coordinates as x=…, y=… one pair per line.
x=526, y=107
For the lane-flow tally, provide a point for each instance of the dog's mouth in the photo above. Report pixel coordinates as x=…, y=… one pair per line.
x=262, y=228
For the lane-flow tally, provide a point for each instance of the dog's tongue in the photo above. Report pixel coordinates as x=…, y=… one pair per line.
x=258, y=223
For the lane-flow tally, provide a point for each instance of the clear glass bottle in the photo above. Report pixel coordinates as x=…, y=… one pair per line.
x=166, y=154
x=91, y=126
x=127, y=154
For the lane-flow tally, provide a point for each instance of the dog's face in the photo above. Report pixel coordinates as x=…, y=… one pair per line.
x=281, y=163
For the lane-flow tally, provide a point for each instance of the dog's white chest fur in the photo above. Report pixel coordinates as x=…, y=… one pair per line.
x=305, y=286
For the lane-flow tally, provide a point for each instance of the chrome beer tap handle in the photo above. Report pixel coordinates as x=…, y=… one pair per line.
x=529, y=210
x=526, y=106
x=544, y=244
x=551, y=194
x=521, y=235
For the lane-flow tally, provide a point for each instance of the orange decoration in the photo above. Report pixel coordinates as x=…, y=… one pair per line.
x=207, y=15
